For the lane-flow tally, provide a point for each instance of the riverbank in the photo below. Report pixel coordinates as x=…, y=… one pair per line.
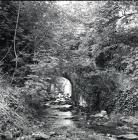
x=59, y=124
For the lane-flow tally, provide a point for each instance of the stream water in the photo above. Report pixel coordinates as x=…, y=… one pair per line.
x=61, y=118
x=68, y=125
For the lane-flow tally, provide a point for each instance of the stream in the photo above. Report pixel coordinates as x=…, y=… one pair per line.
x=65, y=124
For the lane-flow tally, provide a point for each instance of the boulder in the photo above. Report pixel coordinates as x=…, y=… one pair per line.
x=102, y=114
x=131, y=119
x=101, y=137
x=64, y=109
x=26, y=138
x=35, y=136
x=6, y=136
x=52, y=133
x=40, y=136
x=127, y=137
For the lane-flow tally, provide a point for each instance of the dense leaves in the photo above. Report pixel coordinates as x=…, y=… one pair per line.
x=74, y=40
x=24, y=42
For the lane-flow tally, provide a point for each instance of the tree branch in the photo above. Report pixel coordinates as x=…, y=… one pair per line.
x=14, y=46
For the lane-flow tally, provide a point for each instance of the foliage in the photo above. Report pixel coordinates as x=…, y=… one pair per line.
x=117, y=47
x=12, y=107
x=108, y=44
x=36, y=93
x=94, y=40
x=99, y=90
x=104, y=43
x=24, y=42
x=29, y=34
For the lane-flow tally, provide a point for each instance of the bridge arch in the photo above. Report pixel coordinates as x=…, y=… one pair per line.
x=70, y=76
x=61, y=85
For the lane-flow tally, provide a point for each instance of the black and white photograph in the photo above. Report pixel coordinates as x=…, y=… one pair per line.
x=69, y=70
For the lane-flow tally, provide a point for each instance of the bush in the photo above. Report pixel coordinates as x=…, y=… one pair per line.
x=100, y=90
x=35, y=95
x=11, y=107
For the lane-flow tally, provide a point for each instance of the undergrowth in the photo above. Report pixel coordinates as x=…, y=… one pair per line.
x=15, y=114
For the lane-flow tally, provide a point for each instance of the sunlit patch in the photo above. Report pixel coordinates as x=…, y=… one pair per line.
x=64, y=119
x=63, y=3
x=62, y=87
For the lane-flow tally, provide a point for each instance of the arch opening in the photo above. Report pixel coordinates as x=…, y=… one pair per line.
x=61, y=88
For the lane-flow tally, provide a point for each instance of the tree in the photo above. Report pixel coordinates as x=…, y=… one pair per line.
x=22, y=43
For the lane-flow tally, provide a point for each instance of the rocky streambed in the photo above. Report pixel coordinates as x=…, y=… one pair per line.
x=63, y=122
